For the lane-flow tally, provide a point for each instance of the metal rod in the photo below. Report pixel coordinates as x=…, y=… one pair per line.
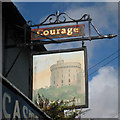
x=81, y=39
x=55, y=19
x=37, y=34
x=25, y=34
x=35, y=25
x=89, y=28
x=95, y=29
x=61, y=41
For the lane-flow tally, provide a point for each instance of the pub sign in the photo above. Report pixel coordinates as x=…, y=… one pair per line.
x=58, y=32
x=61, y=75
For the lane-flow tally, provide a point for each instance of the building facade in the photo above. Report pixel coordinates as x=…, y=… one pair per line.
x=67, y=74
x=15, y=66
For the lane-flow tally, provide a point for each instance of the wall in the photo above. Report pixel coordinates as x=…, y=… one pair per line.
x=19, y=74
x=12, y=36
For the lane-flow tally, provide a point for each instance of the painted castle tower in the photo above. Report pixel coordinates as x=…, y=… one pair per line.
x=67, y=73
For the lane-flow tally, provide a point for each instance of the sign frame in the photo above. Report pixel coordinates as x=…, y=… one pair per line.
x=57, y=30
x=83, y=48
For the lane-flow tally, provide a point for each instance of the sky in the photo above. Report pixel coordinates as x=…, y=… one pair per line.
x=103, y=84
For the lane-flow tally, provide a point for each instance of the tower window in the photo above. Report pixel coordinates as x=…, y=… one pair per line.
x=69, y=80
x=69, y=74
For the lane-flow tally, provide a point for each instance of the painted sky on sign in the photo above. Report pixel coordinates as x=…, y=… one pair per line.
x=103, y=83
x=44, y=62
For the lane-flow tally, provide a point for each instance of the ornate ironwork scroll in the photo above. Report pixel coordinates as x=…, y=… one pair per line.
x=60, y=19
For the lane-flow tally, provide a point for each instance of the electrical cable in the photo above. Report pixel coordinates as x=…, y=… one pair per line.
x=104, y=65
x=104, y=59
x=107, y=62
x=60, y=42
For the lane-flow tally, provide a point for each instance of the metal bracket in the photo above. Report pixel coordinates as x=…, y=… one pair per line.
x=63, y=18
x=59, y=19
x=53, y=19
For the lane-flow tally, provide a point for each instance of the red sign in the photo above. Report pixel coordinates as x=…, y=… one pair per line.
x=58, y=32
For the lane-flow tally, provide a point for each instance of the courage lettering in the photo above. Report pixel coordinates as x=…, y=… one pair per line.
x=68, y=31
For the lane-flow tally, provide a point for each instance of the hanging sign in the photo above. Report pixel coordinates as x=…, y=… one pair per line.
x=58, y=32
x=61, y=75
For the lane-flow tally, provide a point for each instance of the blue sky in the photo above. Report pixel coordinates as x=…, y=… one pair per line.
x=105, y=17
x=106, y=22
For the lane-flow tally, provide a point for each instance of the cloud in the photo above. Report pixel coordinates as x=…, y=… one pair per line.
x=103, y=94
x=103, y=22
x=103, y=89
x=109, y=13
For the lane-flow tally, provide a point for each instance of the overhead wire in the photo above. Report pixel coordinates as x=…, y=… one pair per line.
x=104, y=65
x=104, y=59
x=22, y=27
x=88, y=68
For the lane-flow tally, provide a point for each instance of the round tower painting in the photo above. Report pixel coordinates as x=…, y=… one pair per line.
x=60, y=76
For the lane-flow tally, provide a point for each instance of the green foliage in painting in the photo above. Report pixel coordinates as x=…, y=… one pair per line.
x=62, y=93
x=55, y=109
